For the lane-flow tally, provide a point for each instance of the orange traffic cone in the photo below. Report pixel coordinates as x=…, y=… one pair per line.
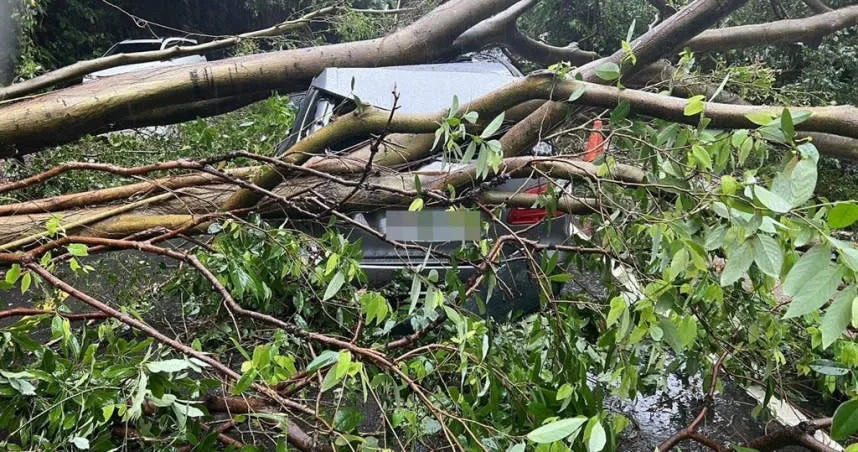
x=595, y=142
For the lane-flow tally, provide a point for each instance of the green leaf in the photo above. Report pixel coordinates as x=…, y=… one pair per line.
x=577, y=93
x=520, y=447
x=430, y=426
x=694, y=106
x=557, y=430
x=845, y=421
x=168, y=365
x=760, y=118
x=828, y=367
x=455, y=107
x=631, y=30
x=416, y=205
x=26, y=281
x=326, y=358
x=848, y=255
x=837, y=317
x=334, y=286
x=138, y=398
x=608, y=71
x=679, y=332
x=244, y=382
x=347, y=419
x=598, y=439
x=374, y=306
x=415, y=293
x=738, y=263
x=797, y=182
x=787, y=125
x=261, y=356
x=808, y=265
x=770, y=200
x=18, y=381
x=618, y=306
x=471, y=117
x=621, y=111
x=470, y=151
x=564, y=392
x=843, y=215
x=13, y=273
x=811, y=287
x=854, y=321
x=701, y=155
x=344, y=362
x=330, y=380
x=768, y=255
x=77, y=249
x=80, y=443
x=107, y=411
x=493, y=126
x=187, y=410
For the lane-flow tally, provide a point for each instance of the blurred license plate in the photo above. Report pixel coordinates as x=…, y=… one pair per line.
x=433, y=225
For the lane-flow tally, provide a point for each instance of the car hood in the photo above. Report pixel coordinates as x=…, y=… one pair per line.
x=148, y=65
x=422, y=88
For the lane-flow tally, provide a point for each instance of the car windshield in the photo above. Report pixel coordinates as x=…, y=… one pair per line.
x=133, y=47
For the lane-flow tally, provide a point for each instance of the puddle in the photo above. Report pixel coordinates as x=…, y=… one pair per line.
x=657, y=417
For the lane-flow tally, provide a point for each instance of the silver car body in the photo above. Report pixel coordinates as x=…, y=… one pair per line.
x=145, y=45
x=428, y=89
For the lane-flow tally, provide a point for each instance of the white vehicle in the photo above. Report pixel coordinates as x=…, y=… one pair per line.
x=146, y=45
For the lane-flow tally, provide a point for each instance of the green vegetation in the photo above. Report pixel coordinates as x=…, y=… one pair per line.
x=257, y=128
x=735, y=248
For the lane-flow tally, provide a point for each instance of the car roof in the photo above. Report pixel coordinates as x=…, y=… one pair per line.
x=423, y=88
x=152, y=41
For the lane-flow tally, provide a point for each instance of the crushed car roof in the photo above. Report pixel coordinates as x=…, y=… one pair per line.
x=424, y=88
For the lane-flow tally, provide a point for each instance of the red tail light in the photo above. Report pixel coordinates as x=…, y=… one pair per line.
x=523, y=216
x=595, y=142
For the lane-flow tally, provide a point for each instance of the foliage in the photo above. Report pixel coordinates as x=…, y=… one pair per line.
x=91, y=380
x=708, y=246
x=355, y=26
x=56, y=33
x=725, y=246
x=257, y=128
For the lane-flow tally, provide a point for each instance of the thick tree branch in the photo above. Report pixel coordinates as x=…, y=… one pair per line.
x=648, y=48
x=808, y=30
x=69, y=113
x=501, y=30
x=796, y=435
x=77, y=70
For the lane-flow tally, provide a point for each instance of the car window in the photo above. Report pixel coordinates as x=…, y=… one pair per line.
x=133, y=47
x=175, y=42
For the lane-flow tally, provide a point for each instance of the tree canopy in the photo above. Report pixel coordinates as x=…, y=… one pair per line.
x=167, y=292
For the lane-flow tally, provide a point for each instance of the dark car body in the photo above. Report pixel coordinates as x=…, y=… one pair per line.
x=430, y=89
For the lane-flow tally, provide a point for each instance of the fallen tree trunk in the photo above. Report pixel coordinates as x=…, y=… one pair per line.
x=842, y=120
x=175, y=210
x=67, y=114
x=78, y=70
x=809, y=30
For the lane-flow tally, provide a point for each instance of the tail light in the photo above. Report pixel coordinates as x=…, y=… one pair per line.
x=595, y=142
x=524, y=216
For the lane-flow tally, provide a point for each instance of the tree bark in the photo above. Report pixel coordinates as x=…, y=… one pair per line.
x=808, y=30
x=76, y=71
x=648, y=48
x=67, y=114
